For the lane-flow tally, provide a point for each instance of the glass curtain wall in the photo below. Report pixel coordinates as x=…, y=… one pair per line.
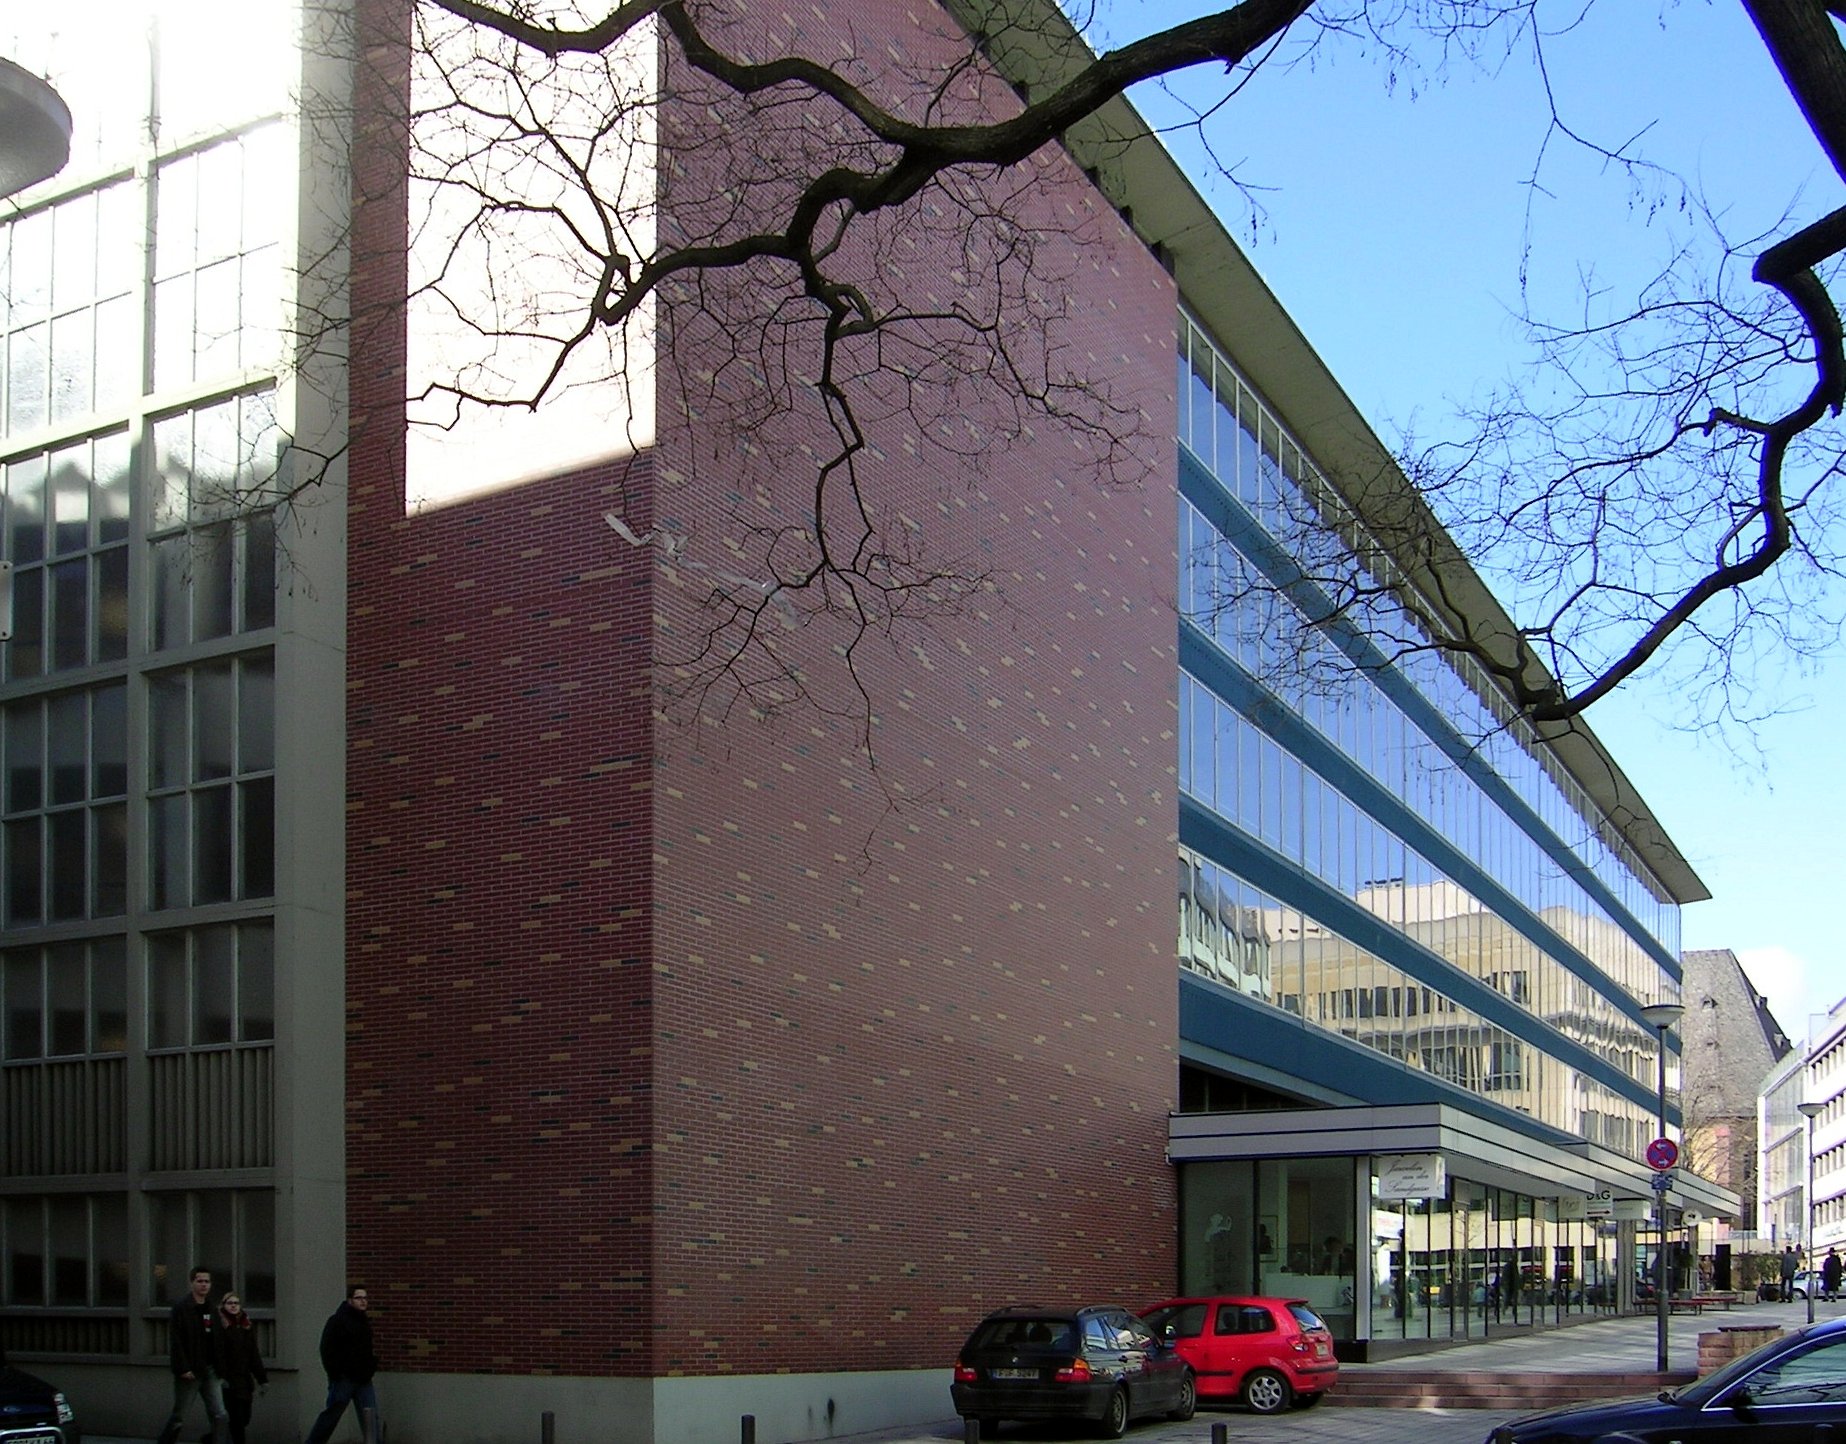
x=141, y=302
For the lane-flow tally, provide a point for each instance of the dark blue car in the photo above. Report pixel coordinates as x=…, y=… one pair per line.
x=1793, y=1388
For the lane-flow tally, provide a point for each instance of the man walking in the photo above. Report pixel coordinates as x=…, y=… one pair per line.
x=194, y=1363
x=1791, y=1265
x=346, y=1354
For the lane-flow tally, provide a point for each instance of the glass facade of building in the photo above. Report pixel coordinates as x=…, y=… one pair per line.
x=141, y=305
x=1373, y=845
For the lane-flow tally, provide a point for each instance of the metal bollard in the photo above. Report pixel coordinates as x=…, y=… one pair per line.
x=547, y=1428
x=1220, y=1433
x=970, y=1431
x=749, y=1433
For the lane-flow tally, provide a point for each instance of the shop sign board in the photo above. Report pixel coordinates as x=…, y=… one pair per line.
x=1412, y=1175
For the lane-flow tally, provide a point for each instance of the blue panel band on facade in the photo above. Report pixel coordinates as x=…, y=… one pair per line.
x=1198, y=486
x=1208, y=663
x=1300, y=1049
x=1206, y=832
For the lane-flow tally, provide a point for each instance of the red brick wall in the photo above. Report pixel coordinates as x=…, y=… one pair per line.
x=687, y=1041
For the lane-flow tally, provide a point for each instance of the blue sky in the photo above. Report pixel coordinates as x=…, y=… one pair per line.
x=1391, y=226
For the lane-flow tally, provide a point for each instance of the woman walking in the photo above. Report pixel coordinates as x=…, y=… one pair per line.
x=240, y=1366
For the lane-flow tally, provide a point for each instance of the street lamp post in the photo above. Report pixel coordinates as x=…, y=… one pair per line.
x=1810, y=1111
x=1660, y=1017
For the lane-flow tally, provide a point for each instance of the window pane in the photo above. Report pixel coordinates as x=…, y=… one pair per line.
x=172, y=851
x=214, y=721
x=70, y=500
x=260, y=572
x=109, y=868
x=212, y=844
x=215, y=1239
x=69, y=864
x=256, y=714
x=112, y=478
x=24, y=1005
x=256, y=983
x=257, y=1238
x=68, y=726
x=213, y=984
x=170, y=1244
x=167, y=708
x=25, y=654
x=166, y=987
x=25, y=1252
x=110, y=1211
x=109, y=741
x=25, y=510
x=112, y=604
x=211, y=581
x=109, y=996
x=23, y=904
x=66, y=966
x=70, y=1251
x=24, y=757
x=172, y=615
x=258, y=836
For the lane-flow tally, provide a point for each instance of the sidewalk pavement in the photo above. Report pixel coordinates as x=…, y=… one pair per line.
x=1604, y=1346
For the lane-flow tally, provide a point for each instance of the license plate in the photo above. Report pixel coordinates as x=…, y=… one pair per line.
x=1014, y=1373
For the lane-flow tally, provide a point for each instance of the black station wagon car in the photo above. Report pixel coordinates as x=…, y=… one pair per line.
x=32, y=1412
x=1792, y=1388
x=1099, y=1363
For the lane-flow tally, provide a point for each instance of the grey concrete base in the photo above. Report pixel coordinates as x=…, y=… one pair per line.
x=498, y=1409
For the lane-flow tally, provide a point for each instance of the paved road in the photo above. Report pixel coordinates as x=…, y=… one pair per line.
x=1310, y=1426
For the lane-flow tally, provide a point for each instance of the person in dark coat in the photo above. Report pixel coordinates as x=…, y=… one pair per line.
x=240, y=1366
x=1830, y=1272
x=346, y=1354
x=194, y=1361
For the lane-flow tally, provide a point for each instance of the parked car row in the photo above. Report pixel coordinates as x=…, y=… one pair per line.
x=1111, y=1366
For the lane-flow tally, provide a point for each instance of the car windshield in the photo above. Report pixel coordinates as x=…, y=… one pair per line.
x=1702, y=1391
x=1306, y=1317
x=1016, y=1332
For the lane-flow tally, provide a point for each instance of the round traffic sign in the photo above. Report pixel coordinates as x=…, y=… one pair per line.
x=1662, y=1154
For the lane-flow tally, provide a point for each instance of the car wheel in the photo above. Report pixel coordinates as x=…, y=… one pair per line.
x=988, y=1425
x=1115, y=1422
x=1188, y=1402
x=1266, y=1392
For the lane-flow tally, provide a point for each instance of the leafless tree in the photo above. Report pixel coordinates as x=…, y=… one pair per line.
x=1672, y=481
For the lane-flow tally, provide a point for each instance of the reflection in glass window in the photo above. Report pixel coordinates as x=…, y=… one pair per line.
x=63, y=1001
x=229, y=1231
x=210, y=986
x=211, y=746
x=65, y=831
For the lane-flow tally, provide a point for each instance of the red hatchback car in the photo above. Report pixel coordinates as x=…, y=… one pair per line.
x=1268, y=1353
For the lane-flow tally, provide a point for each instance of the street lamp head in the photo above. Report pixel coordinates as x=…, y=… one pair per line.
x=35, y=129
x=1661, y=1016
x=1811, y=1111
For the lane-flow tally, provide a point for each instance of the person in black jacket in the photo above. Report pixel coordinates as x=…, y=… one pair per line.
x=240, y=1366
x=194, y=1362
x=346, y=1354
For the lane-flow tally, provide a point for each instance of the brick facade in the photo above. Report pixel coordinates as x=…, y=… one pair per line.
x=687, y=1041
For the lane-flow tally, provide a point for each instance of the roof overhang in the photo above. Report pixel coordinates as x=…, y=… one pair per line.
x=1472, y=1148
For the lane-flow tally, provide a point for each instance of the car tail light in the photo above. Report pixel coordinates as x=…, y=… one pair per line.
x=1077, y=1371
x=963, y=1374
x=1301, y=1344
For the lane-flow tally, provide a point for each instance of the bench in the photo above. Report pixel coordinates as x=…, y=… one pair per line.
x=1687, y=1303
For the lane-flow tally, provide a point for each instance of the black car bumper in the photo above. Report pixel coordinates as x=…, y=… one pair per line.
x=1028, y=1401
